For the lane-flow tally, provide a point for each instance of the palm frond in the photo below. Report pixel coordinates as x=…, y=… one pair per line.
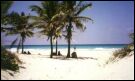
x=79, y=25
x=78, y=4
x=48, y=38
x=5, y=5
x=37, y=9
x=11, y=32
x=82, y=8
x=29, y=33
x=65, y=36
x=83, y=18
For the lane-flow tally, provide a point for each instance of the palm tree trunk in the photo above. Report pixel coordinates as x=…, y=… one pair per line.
x=69, y=36
x=22, y=43
x=68, y=55
x=56, y=47
x=51, y=55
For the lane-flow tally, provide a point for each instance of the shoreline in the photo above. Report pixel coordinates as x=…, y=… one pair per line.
x=39, y=50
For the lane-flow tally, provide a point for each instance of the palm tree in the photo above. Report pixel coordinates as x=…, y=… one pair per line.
x=72, y=11
x=21, y=27
x=46, y=20
x=58, y=34
x=5, y=6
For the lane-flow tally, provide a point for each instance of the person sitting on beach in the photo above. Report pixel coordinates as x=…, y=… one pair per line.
x=29, y=52
x=24, y=52
x=59, y=53
x=74, y=55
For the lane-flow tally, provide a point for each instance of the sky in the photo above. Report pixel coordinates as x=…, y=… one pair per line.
x=113, y=22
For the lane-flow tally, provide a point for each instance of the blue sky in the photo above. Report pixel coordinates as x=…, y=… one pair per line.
x=113, y=21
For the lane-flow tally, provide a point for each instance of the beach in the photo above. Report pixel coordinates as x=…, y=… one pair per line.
x=67, y=40
x=90, y=65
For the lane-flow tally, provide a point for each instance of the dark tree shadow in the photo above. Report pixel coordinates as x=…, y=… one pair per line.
x=63, y=57
x=81, y=58
x=84, y=58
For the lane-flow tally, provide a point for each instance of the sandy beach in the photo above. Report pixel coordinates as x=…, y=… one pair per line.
x=90, y=65
x=67, y=40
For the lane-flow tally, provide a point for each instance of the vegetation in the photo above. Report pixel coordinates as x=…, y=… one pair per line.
x=21, y=27
x=53, y=18
x=72, y=11
x=14, y=24
x=48, y=20
x=132, y=37
x=56, y=16
x=9, y=60
x=121, y=53
x=5, y=5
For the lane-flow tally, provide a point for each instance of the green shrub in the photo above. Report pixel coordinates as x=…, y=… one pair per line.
x=9, y=60
x=122, y=52
x=119, y=54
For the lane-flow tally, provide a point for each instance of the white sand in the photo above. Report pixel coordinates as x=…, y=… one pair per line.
x=89, y=65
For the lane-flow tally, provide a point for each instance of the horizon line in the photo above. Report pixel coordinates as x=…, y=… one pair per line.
x=71, y=44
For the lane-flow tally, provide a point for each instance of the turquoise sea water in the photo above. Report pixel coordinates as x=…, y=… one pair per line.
x=80, y=46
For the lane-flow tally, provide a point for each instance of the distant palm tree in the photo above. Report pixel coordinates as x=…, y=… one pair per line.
x=72, y=11
x=21, y=26
x=48, y=13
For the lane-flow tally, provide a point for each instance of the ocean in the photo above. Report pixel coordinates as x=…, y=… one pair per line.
x=45, y=49
x=77, y=46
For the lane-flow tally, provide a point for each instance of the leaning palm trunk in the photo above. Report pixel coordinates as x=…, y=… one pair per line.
x=51, y=55
x=18, y=46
